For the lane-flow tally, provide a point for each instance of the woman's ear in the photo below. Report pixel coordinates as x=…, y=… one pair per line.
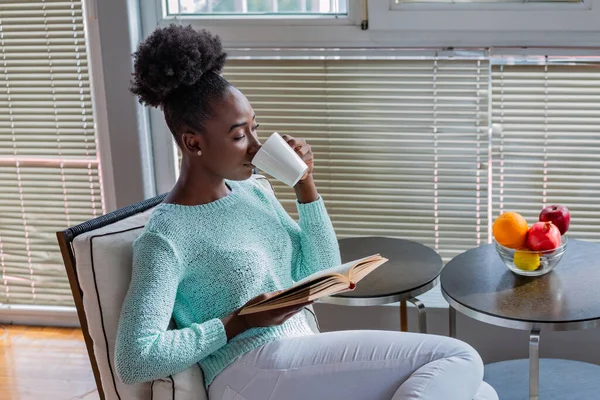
x=192, y=142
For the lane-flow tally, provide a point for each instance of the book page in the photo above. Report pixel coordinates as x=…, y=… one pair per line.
x=309, y=293
x=319, y=284
x=343, y=269
x=365, y=269
x=301, y=287
x=316, y=287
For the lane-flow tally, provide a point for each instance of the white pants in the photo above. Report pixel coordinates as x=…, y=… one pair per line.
x=356, y=365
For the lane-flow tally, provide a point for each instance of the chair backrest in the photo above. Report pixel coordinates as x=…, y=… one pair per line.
x=98, y=257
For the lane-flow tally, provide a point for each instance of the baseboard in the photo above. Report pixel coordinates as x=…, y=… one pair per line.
x=38, y=315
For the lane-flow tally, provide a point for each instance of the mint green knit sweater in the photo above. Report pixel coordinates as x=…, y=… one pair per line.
x=199, y=263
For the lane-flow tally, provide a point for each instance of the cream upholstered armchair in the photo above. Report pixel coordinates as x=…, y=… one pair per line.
x=98, y=258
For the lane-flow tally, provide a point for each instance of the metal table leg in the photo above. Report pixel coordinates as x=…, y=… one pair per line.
x=534, y=363
x=403, y=317
x=452, y=322
x=422, y=314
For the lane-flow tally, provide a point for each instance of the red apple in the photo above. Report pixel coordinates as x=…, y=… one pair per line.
x=543, y=236
x=558, y=215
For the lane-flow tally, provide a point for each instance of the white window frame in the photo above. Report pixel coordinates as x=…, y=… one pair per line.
x=269, y=31
x=482, y=5
x=488, y=25
x=406, y=25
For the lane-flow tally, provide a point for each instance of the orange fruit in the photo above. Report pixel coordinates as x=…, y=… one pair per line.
x=510, y=230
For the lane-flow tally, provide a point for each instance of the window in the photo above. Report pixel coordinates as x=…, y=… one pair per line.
x=409, y=132
x=49, y=164
x=401, y=145
x=385, y=23
x=479, y=23
x=546, y=146
x=487, y=1
x=402, y=141
x=256, y=7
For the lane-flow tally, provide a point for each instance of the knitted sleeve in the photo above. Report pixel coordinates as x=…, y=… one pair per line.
x=318, y=246
x=315, y=245
x=145, y=349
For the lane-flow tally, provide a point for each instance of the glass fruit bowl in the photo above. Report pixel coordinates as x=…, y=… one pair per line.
x=531, y=263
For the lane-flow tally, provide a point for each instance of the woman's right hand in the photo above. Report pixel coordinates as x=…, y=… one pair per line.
x=236, y=324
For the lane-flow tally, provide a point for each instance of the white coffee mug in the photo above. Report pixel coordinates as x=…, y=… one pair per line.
x=278, y=159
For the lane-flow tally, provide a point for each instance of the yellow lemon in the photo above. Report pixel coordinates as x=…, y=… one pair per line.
x=527, y=261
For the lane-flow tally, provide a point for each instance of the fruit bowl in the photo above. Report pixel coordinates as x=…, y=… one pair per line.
x=527, y=259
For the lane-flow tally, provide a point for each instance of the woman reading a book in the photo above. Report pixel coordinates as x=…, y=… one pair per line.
x=220, y=241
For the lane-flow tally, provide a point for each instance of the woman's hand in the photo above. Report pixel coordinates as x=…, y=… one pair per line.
x=304, y=150
x=305, y=189
x=236, y=324
x=272, y=317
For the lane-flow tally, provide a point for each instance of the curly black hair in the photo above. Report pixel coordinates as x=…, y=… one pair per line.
x=178, y=69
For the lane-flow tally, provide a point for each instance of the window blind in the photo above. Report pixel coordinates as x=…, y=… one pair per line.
x=49, y=164
x=546, y=146
x=400, y=145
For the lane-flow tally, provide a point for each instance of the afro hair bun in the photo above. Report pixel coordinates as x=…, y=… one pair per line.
x=171, y=57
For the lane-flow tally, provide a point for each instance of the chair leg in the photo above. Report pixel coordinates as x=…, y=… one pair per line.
x=403, y=317
x=452, y=322
x=422, y=314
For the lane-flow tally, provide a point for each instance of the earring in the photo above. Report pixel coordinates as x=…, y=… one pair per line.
x=199, y=152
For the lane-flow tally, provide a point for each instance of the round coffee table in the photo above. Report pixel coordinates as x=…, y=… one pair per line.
x=412, y=269
x=479, y=285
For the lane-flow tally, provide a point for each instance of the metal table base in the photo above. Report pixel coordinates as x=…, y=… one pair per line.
x=534, y=336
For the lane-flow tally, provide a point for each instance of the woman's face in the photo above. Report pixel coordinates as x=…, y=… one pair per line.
x=229, y=141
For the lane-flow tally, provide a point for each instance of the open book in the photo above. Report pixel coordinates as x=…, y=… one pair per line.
x=334, y=280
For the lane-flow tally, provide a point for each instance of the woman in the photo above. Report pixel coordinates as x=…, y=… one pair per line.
x=219, y=241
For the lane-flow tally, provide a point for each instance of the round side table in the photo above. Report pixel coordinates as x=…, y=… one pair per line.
x=479, y=285
x=412, y=269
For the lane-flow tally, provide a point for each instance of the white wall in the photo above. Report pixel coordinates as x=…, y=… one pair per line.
x=113, y=33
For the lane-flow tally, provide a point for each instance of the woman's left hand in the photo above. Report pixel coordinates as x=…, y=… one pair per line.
x=304, y=150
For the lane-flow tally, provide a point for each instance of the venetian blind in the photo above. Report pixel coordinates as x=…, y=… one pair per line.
x=401, y=146
x=49, y=165
x=546, y=142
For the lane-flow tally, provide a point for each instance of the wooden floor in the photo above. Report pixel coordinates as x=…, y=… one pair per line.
x=44, y=363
